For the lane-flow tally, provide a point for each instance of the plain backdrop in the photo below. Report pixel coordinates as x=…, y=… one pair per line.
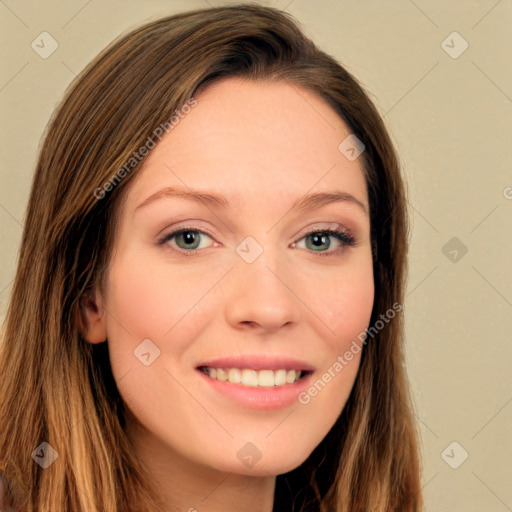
x=439, y=72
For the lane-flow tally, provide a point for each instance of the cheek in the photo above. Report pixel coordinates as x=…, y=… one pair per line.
x=354, y=308
x=169, y=306
x=343, y=302
x=149, y=301
x=345, y=310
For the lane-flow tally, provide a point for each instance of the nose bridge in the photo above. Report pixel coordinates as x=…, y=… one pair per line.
x=260, y=293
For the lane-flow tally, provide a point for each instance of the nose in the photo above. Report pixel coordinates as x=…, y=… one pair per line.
x=262, y=297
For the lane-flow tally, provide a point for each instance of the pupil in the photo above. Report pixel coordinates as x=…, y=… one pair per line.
x=188, y=237
x=319, y=240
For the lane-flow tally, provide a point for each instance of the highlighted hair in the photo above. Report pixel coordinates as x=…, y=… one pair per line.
x=58, y=388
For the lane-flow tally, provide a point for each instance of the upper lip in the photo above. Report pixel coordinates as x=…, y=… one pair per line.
x=257, y=362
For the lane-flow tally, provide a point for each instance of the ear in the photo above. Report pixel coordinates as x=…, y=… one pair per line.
x=91, y=317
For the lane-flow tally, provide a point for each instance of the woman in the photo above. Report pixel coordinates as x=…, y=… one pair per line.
x=206, y=310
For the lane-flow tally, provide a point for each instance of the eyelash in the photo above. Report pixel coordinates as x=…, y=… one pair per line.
x=346, y=239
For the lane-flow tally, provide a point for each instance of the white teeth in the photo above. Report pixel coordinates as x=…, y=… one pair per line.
x=253, y=378
x=266, y=378
x=234, y=375
x=280, y=378
x=249, y=378
x=221, y=374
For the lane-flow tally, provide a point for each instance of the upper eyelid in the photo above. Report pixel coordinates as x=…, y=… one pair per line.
x=332, y=225
x=179, y=230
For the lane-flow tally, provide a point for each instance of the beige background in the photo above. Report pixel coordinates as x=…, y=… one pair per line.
x=451, y=121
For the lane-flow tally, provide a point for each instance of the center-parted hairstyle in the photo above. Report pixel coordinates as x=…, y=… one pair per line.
x=58, y=388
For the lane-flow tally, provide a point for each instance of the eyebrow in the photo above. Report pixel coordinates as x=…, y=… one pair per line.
x=305, y=203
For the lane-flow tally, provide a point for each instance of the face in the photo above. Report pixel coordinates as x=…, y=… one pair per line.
x=247, y=281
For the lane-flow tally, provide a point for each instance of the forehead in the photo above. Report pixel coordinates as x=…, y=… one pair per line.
x=269, y=140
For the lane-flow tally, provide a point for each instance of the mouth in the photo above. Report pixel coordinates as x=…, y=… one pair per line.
x=263, y=382
x=264, y=378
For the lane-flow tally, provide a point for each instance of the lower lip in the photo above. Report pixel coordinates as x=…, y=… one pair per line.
x=263, y=398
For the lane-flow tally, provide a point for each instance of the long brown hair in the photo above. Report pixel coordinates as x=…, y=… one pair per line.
x=58, y=388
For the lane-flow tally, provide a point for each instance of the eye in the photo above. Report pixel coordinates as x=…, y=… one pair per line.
x=320, y=240
x=188, y=240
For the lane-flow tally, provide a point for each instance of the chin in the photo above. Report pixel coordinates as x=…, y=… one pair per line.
x=273, y=462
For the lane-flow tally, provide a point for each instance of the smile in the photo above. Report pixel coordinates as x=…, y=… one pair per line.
x=254, y=378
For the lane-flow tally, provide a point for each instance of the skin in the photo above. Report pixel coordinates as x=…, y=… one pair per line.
x=262, y=146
